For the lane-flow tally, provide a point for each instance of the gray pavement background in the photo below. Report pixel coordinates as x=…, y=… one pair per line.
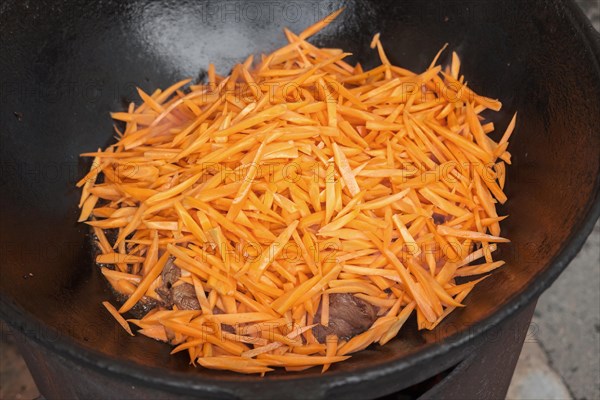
x=566, y=322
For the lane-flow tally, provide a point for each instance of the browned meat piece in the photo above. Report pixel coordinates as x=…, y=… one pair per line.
x=170, y=273
x=183, y=295
x=439, y=219
x=165, y=295
x=348, y=317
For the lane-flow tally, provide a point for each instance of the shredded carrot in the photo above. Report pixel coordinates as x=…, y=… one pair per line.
x=293, y=179
x=113, y=311
x=332, y=343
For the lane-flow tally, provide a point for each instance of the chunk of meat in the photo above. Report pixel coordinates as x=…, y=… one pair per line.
x=182, y=295
x=170, y=273
x=439, y=219
x=348, y=317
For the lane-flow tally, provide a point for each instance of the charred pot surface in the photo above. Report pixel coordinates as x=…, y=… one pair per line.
x=348, y=317
x=143, y=306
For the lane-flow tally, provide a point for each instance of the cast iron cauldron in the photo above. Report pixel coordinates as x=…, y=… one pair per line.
x=66, y=64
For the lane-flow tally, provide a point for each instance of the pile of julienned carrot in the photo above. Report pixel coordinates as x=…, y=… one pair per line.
x=296, y=177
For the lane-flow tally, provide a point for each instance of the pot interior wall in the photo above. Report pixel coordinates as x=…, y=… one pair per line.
x=66, y=65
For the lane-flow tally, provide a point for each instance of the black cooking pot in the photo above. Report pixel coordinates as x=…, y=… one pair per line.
x=65, y=65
